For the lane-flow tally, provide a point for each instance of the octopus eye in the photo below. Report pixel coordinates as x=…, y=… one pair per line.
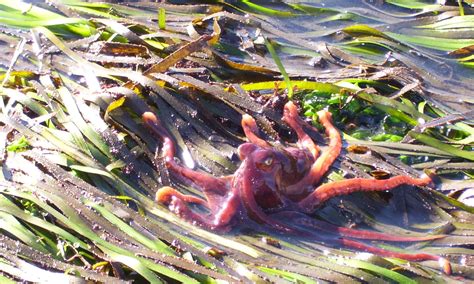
x=264, y=160
x=268, y=161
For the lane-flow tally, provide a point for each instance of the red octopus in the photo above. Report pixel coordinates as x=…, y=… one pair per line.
x=272, y=179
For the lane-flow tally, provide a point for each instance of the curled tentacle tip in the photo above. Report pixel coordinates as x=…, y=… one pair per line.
x=290, y=108
x=164, y=195
x=429, y=177
x=246, y=116
x=446, y=265
x=247, y=119
x=430, y=172
x=324, y=113
x=149, y=117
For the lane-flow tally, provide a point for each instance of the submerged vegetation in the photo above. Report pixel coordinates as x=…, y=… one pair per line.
x=78, y=168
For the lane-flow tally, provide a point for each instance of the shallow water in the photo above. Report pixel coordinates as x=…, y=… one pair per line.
x=441, y=73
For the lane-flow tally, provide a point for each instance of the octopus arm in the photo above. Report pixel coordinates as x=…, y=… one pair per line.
x=344, y=187
x=327, y=158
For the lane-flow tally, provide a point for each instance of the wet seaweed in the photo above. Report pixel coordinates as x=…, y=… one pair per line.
x=79, y=167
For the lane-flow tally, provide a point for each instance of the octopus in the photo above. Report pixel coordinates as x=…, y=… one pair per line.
x=275, y=179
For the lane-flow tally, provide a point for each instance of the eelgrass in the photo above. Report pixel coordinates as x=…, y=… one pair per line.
x=77, y=183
